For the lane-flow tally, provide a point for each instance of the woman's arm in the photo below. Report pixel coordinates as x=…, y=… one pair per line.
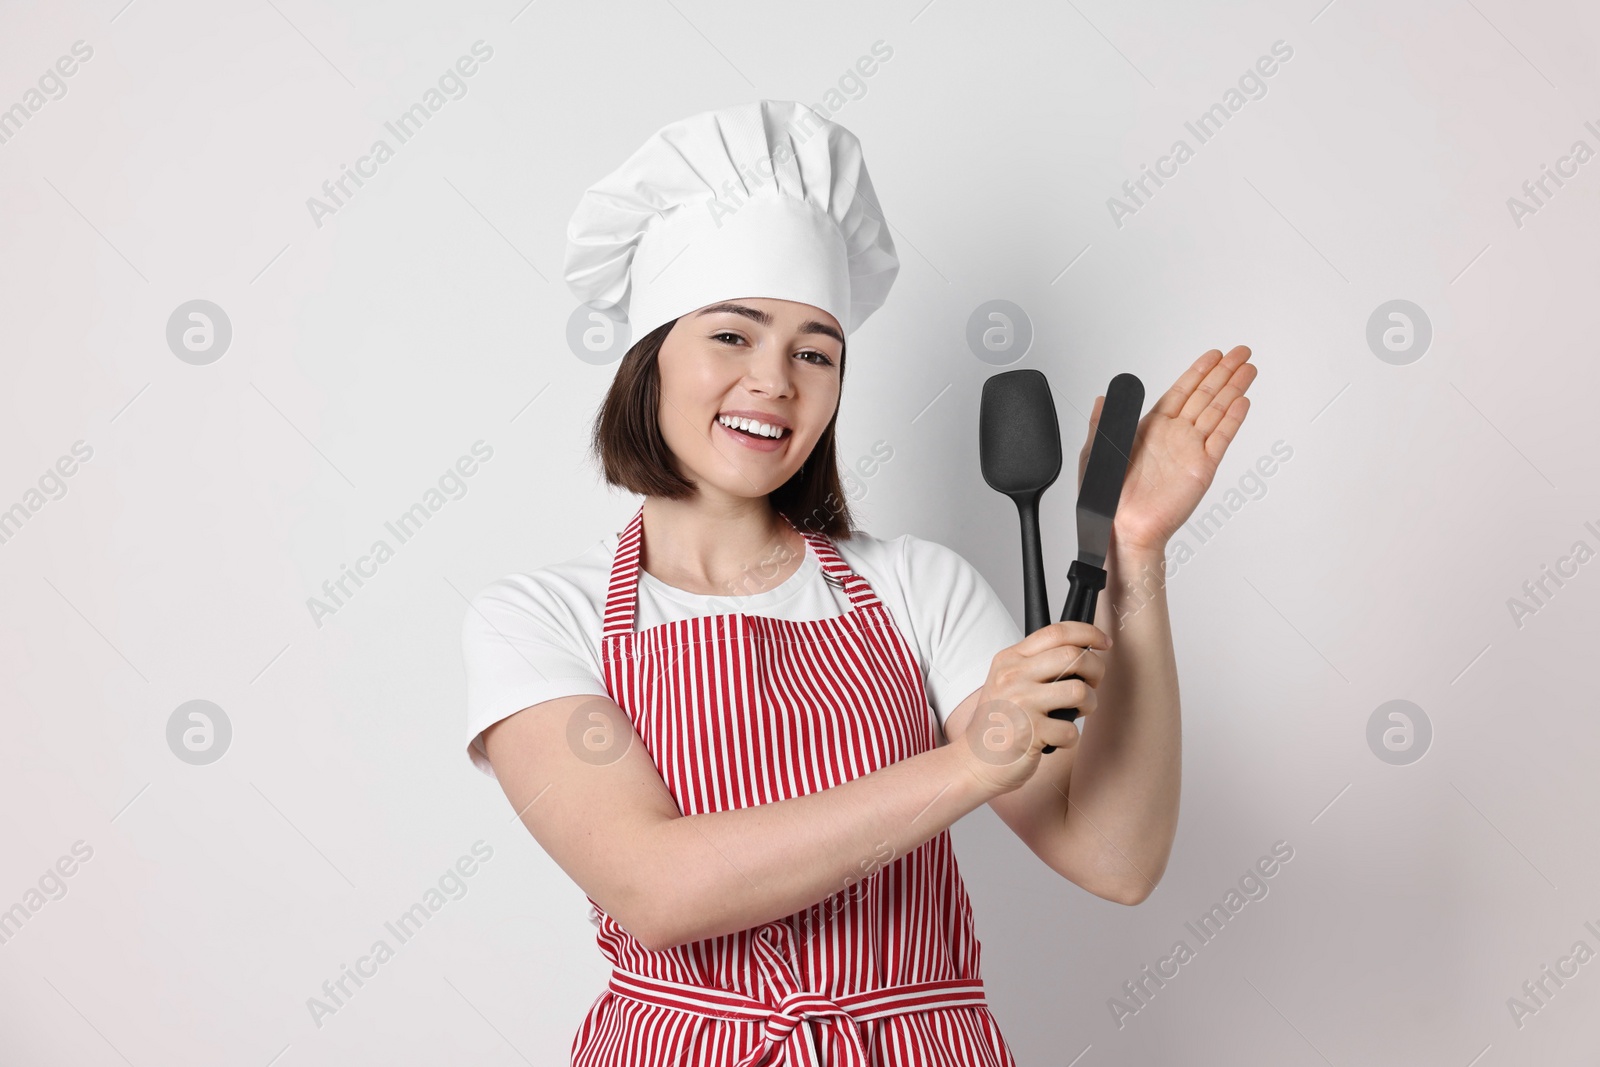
x=1104, y=813
x=1120, y=815
x=669, y=879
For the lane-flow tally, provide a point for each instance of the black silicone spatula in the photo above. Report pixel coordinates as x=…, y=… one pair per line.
x=1019, y=449
x=1103, y=476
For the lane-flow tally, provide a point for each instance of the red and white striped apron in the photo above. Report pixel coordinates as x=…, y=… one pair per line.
x=737, y=710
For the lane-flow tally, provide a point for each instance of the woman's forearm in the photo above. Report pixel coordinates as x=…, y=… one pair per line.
x=1122, y=800
x=721, y=872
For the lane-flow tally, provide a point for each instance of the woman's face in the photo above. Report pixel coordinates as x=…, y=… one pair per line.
x=775, y=361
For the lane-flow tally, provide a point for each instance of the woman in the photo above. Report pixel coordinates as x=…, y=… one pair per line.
x=744, y=728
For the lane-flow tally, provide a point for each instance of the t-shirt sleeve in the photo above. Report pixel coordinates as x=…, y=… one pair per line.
x=521, y=646
x=961, y=621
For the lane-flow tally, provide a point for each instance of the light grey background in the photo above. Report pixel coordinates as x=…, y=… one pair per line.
x=369, y=353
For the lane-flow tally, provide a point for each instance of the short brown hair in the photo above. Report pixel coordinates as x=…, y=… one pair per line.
x=634, y=456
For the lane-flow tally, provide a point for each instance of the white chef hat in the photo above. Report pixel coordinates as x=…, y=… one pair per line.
x=764, y=199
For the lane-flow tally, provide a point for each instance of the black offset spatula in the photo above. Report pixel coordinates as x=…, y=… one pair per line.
x=1019, y=446
x=1103, y=476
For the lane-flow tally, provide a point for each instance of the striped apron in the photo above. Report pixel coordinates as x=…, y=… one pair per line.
x=737, y=710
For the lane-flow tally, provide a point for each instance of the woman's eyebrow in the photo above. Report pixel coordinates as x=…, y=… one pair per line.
x=756, y=314
x=739, y=309
x=813, y=326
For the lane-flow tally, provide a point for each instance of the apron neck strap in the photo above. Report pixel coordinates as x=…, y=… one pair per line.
x=622, y=595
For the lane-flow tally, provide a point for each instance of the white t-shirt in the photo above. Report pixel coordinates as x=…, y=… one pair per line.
x=528, y=638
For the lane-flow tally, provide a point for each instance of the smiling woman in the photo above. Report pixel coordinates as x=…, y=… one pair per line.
x=741, y=725
x=687, y=701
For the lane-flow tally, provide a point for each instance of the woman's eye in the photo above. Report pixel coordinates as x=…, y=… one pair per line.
x=822, y=359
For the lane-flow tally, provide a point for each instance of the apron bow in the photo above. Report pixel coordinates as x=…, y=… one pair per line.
x=783, y=1030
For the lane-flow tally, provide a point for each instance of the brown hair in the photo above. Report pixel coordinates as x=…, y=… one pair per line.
x=634, y=456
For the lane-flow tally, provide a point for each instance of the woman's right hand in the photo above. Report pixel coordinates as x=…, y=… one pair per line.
x=1004, y=740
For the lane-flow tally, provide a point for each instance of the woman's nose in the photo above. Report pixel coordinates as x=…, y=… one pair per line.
x=768, y=372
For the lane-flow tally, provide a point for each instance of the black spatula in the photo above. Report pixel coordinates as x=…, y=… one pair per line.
x=1019, y=449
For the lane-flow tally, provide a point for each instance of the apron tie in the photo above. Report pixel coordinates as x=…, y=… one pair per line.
x=784, y=1041
x=796, y=1005
x=783, y=1029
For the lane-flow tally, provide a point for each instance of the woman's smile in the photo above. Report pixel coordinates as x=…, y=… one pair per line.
x=753, y=441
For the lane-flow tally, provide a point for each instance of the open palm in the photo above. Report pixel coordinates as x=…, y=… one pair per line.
x=1178, y=445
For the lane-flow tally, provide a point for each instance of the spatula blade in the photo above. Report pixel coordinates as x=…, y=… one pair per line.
x=1019, y=439
x=1107, y=467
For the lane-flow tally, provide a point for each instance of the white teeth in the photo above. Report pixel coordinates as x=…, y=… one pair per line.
x=751, y=425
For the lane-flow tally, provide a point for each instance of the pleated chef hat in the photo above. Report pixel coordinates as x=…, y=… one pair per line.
x=764, y=199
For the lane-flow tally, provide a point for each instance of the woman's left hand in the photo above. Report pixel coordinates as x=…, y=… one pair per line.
x=1177, y=448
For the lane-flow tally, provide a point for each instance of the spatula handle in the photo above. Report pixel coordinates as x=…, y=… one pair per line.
x=1085, y=581
x=1036, y=599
